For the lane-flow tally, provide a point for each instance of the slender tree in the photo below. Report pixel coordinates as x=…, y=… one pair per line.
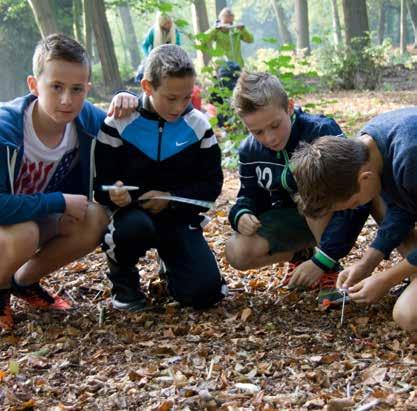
x=301, y=25
x=403, y=27
x=381, y=20
x=45, y=17
x=412, y=8
x=77, y=13
x=130, y=35
x=105, y=46
x=88, y=26
x=337, y=30
x=200, y=23
x=284, y=33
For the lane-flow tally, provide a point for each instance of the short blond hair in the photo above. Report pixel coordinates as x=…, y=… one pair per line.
x=58, y=46
x=255, y=91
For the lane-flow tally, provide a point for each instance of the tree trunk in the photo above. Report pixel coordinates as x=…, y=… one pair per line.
x=356, y=22
x=105, y=46
x=220, y=5
x=403, y=28
x=381, y=21
x=43, y=10
x=301, y=25
x=200, y=24
x=283, y=31
x=88, y=26
x=337, y=30
x=412, y=8
x=130, y=35
x=76, y=20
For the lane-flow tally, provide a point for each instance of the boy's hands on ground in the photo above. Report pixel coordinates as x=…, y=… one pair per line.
x=120, y=196
x=154, y=206
x=76, y=206
x=248, y=224
x=351, y=275
x=370, y=290
x=306, y=274
x=122, y=105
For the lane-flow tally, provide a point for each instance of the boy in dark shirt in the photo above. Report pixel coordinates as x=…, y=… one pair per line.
x=166, y=147
x=381, y=166
x=265, y=218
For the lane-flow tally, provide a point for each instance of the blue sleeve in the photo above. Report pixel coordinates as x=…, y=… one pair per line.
x=21, y=208
x=394, y=228
x=342, y=231
x=147, y=44
x=329, y=127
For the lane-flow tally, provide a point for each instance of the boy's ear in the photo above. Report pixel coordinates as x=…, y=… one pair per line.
x=290, y=106
x=89, y=87
x=146, y=87
x=365, y=176
x=32, y=85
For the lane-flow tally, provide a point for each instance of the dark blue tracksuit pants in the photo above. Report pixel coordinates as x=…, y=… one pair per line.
x=193, y=275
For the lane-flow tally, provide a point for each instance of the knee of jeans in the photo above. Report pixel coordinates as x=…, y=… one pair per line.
x=237, y=256
x=201, y=294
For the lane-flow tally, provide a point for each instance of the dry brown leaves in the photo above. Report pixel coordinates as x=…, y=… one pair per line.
x=261, y=349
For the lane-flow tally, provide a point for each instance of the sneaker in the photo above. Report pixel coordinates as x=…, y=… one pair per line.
x=299, y=258
x=38, y=297
x=126, y=293
x=6, y=319
x=329, y=295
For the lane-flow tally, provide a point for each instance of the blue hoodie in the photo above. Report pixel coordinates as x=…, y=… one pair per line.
x=22, y=207
x=395, y=134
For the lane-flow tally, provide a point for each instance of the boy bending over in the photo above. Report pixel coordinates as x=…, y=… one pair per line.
x=380, y=166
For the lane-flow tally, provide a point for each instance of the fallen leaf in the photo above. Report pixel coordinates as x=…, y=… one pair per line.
x=246, y=313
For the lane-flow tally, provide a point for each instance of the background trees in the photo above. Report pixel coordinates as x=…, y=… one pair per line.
x=112, y=30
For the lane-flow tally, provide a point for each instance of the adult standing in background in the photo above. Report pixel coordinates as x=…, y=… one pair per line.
x=227, y=36
x=162, y=32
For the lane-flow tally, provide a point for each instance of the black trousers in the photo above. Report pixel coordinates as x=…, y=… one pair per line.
x=193, y=275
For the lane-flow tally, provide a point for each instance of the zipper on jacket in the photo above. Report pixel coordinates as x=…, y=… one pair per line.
x=161, y=129
x=11, y=165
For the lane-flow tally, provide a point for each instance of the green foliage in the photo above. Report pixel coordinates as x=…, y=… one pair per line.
x=352, y=67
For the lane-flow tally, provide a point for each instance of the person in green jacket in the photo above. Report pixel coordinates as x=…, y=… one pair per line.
x=227, y=36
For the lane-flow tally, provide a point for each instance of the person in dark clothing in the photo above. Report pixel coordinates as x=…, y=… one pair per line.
x=380, y=165
x=165, y=147
x=268, y=227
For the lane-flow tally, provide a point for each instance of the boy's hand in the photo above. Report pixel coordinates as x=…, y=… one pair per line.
x=153, y=206
x=120, y=196
x=122, y=105
x=306, y=274
x=76, y=206
x=351, y=275
x=370, y=290
x=248, y=224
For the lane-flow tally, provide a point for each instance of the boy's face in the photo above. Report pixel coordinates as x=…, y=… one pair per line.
x=271, y=125
x=61, y=90
x=172, y=96
x=369, y=188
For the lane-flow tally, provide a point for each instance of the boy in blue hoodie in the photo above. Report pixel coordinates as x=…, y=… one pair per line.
x=46, y=143
x=379, y=166
x=166, y=147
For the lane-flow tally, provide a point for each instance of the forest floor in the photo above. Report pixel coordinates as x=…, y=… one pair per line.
x=262, y=348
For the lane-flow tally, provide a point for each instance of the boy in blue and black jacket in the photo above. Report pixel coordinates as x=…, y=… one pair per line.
x=46, y=142
x=165, y=147
x=268, y=227
x=380, y=165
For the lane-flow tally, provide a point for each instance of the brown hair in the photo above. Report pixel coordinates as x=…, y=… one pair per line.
x=59, y=47
x=254, y=91
x=326, y=172
x=168, y=60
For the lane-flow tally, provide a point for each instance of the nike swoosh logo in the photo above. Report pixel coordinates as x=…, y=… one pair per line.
x=181, y=144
